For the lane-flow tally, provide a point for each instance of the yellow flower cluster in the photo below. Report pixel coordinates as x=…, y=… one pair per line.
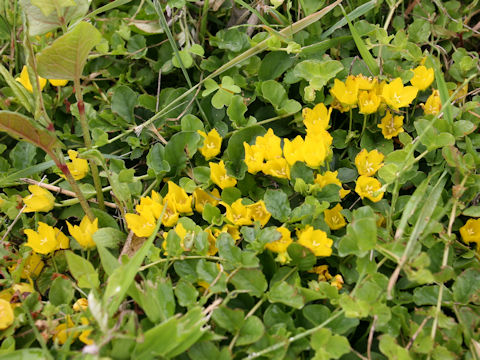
x=267, y=155
x=212, y=142
x=40, y=200
x=84, y=233
x=367, y=164
x=46, y=239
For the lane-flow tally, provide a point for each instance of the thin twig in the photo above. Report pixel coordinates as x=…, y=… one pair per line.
x=414, y=337
x=63, y=191
x=370, y=338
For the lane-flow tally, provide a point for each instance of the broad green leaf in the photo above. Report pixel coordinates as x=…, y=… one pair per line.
x=186, y=293
x=287, y=294
x=277, y=204
x=82, y=270
x=274, y=64
x=467, y=287
x=229, y=319
x=236, y=111
x=301, y=257
x=252, y=280
x=329, y=346
x=20, y=126
x=49, y=6
x=317, y=73
x=39, y=22
x=251, y=331
x=67, y=55
x=124, y=100
x=181, y=146
x=109, y=237
x=61, y=291
x=391, y=349
x=361, y=234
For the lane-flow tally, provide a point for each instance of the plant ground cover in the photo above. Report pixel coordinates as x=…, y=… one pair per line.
x=229, y=179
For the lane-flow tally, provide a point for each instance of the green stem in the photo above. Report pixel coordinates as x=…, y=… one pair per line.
x=392, y=206
x=350, y=122
x=88, y=141
x=364, y=124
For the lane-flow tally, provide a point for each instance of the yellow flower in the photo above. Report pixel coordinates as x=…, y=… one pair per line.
x=280, y=245
x=316, y=148
x=202, y=197
x=25, y=80
x=422, y=77
x=151, y=205
x=212, y=241
x=6, y=314
x=44, y=241
x=40, y=200
x=318, y=117
x=259, y=212
x=396, y=95
x=78, y=167
x=330, y=177
x=293, y=150
x=171, y=214
x=212, y=142
x=278, y=168
x=237, y=213
x=334, y=217
x=58, y=82
x=269, y=144
x=315, y=240
x=322, y=271
x=177, y=195
x=83, y=233
x=84, y=335
x=366, y=188
x=218, y=174
x=366, y=83
x=253, y=158
x=433, y=105
x=368, y=163
x=391, y=125
x=337, y=281
x=80, y=305
x=470, y=232
x=368, y=102
x=63, y=240
x=64, y=331
x=346, y=93
x=33, y=266
x=231, y=229
x=142, y=225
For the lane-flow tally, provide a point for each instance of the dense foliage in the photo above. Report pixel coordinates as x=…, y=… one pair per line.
x=225, y=179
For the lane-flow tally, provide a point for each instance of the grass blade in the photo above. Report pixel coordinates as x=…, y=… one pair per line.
x=359, y=11
x=362, y=48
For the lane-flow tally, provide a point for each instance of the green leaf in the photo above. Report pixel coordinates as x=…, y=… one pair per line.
x=252, y=280
x=67, y=55
x=472, y=211
x=122, y=277
x=82, y=270
x=229, y=319
x=361, y=234
x=49, y=6
x=317, y=72
x=277, y=204
x=287, y=294
x=181, y=146
x=61, y=291
x=328, y=346
x=236, y=111
x=391, y=349
x=251, y=331
x=302, y=257
x=466, y=288
x=39, y=22
x=109, y=237
x=20, y=126
x=124, y=100
x=274, y=64
x=156, y=160
x=186, y=293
